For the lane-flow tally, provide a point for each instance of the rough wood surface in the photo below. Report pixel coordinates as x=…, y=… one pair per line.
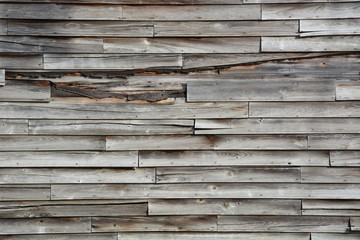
x=326, y=212
x=136, y=2
x=24, y=192
x=329, y=27
x=3, y=27
x=13, y=126
x=347, y=90
x=25, y=91
x=330, y=236
x=334, y=141
x=345, y=158
x=21, y=61
x=330, y=175
x=2, y=77
x=93, y=236
x=330, y=204
x=355, y=224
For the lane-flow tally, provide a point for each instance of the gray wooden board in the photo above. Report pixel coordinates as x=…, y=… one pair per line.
x=313, y=44
x=80, y=28
x=260, y=142
x=226, y=28
x=310, y=11
x=137, y=2
x=13, y=126
x=278, y=126
x=329, y=27
x=14, y=44
x=272, y=90
x=182, y=45
x=51, y=143
x=170, y=142
x=233, y=158
x=3, y=27
x=330, y=205
x=330, y=175
x=227, y=174
x=106, y=61
x=345, y=158
x=110, y=127
x=334, y=141
x=25, y=91
x=283, y=224
x=224, y=207
x=192, y=13
x=154, y=223
x=334, y=236
x=21, y=62
x=24, y=192
x=347, y=90
x=355, y=224
x=326, y=212
x=304, y=109
x=45, y=225
x=2, y=77
x=69, y=159
x=196, y=190
x=75, y=175
x=77, y=108
x=282, y=1
x=93, y=236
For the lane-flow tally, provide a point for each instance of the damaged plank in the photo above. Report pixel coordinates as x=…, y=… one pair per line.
x=345, y=158
x=347, y=90
x=334, y=142
x=13, y=126
x=24, y=192
x=330, y=175
x=311, y=28
x=25, y=91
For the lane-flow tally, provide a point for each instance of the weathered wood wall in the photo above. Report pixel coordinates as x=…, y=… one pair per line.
x=174, y=120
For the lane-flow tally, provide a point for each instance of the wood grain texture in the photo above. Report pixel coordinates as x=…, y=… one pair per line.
x=24, y=192
x=345, y=158
x=224, y=207
x=330, y=175
x=329, y=27
x=331, y=204
x=329, y=236
x=347, y=90
x=355, y=224
x=233, y=158
x=25, y=91
x=316, y=212
x=2, y=77
x=137, y=2
x=3, y=27
x=282, y=1
x=21, y=62
x=334, y=141
x=13, y=126
x=93, y=236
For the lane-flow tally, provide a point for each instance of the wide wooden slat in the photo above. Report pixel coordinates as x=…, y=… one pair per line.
x=323, y=212
x=355, y=224
x=233, y=158
x=226, y=174
x=345, y=158
x=272, y=90
x=329, y=27
x=21, y=62
x=13, y=126
x=224, y=207
x=25, y=91
x=330, y=175
x=314, y=44
x=329, y=236
x=24, y=192
x=347, y=90
x=283, y=224
x=93, y=236
x=45, y=225
x=330, y=204
x=334, y=141
x=311, y=11
x=192, y=13
x=278, y=126
x=226, y=28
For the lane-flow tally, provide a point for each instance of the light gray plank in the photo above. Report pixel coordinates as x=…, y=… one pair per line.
x=226, y=174
x=3, y=27
x=355, y=224
x=92, y=236
x=24, y=192
x=137, y=2
x=69, y=159
x=313, y=44
x=258, y=90
x=25, y=91
x=171, y=142
x=45, y=225
x=278, y=126
x=13, y=126
x=330, y=175
x=282, y=1
x=345, y=158
x=80, y=28
x=311, y=11
x=255, y=142
x=60, y=11
x=2, y=77
x=146, y=224
x=224, y=207
x=21, y=62
x=192, y=13
x=226, y=28
x=51, y=143
x=283, y=224
x=347, y=90
x=326, y=212
x=304, y=109
x=335, y=141
x=329, y=27
x=330, y=204
x=329, y=236
x=182, y=45
x=233, y=158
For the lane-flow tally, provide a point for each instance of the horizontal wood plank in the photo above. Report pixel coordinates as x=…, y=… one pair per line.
x=136, y=2
x=93, y=236
x=13, y=126
x=330, y=204
x=25, y=91
x=3, y=27
x=355, y=224
x=325, y=212
x=282, y=1
x=347, y=90
x=334, y=141
x=21, y=62
x=24, y=192
x=2, y=77
x=345, y=158
x=334, y=236
x=329, y=27
x=330, y=175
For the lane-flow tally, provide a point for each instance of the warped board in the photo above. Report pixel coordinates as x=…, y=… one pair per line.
x=80, y=28
x=110, y=127
x=25, y=91
x=2, y=77
x=283, y=224
x=151, y=224
x=106, y=61
x=330, y=204
x=330, y=175
x=60, y=11
x=224, y=207
x=226, y=174
x=310, y=11
x=13, y=126
x=232, y=158
x=170, y=142
x=347, y=90
x=317, y=212
x=51, y=143
x=182, y=45
x=304, y=109
x=24, y=192
x=226, y=28
x=329, y=236
x=75, y=175
x=313, y=44
x=334, y=141
x=69, y=159
x=93, y=236
x=260, y=142
x=192, y=13
x=21, y=61
x=45, y=225
x=278, y=126
x=310, y=28
x=345, y=158
x=355, y=224
x=257, y=90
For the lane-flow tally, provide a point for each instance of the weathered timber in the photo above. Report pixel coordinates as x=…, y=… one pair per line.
x=2, y=77
x=330, y=175
x=347, y=90
x=345, y=158
x=334, y=141
x=310, y=28
x=21, y=62
x=13, y=126
x=334, y=236
x=330, y=205
x=25, y=91
x=24, y=192
x=3, y=27
x=355, y=224
x=224, y=207
x=137, y=2
x=325, y=212
x=283, y=1
x=232, y=158
x=93, y=236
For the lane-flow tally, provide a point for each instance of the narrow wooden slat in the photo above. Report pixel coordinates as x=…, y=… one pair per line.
x=329, y=27
x=25, y=91
x=331, y=204
x=345, y=158
x=283, y=224
x=329, y=236
x=272, y=90
x=323, y=212
x=24, y=192
x=335, y=141
x=192, y=13
x=281, y=1
x=13, y=126
x=233, y=158
x=355, y=224
x=93, y=236
x=136, y=2
x=2, y=77
x=224, y=207
x=45, y=225
x=347, y=90
x=21, y=61
x=314, y=44
x=330, y=175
